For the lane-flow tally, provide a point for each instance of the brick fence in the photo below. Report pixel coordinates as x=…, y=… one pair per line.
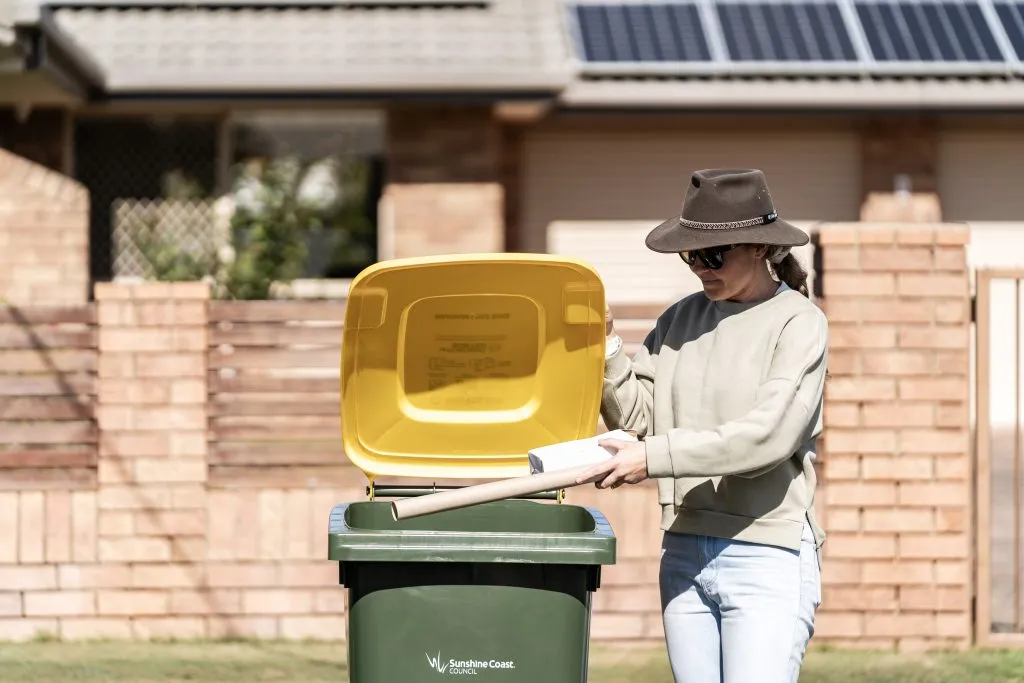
x=896, y=455
x=44, y=234
x=195, y=518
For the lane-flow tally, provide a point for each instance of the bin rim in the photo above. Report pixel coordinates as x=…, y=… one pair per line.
x=473, y=257
x=348, y=543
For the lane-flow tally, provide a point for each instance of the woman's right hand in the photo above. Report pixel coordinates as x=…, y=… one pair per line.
x=609, y=321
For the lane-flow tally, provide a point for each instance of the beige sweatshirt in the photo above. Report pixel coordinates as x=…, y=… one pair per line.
x=727, y=397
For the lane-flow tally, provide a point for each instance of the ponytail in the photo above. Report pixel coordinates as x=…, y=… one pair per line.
x=792, y=273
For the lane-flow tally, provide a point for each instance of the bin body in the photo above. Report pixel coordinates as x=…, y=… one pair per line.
x=497, y=592
x=453, y=368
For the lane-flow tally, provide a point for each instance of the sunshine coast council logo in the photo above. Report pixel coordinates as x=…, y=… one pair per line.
x=466, y=667
x=435, y=663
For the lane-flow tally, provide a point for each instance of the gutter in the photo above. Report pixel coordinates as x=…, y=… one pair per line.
x=858, y=94
x=367, y=85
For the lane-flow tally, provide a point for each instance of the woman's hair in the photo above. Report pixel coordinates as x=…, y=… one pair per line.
x=790, y=271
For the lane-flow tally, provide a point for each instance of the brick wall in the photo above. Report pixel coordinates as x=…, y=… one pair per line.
x=892, y=145
x=154, y=550
x=158, y=547
x=443, y=144
x=44, y=235
x=896, y=453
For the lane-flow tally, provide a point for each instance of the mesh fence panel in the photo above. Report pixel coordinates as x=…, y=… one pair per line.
x=158, y=239
x=145, y=158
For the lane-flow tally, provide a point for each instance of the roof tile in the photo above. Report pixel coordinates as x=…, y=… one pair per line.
x=508, y=44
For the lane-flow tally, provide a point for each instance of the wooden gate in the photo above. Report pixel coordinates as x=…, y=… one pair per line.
x=999, y=468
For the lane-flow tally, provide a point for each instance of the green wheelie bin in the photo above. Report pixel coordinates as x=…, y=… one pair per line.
x=452, y=369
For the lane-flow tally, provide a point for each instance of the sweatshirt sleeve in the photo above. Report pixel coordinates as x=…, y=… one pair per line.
x=627, y=398
x=785, y=406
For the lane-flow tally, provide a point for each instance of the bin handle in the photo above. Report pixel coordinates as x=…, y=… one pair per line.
x=391, y=491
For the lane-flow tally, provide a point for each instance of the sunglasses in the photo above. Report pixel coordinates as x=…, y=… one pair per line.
x=712, y=257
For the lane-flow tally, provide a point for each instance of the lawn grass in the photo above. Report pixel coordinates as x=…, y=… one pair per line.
x=259, y=662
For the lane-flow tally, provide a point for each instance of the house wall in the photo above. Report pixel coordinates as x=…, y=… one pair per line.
x=592, y=185
x=979, y=170
x=184, y=526
x=592, y=168
x=610, y=168
x=42, y=137
x=460, y=179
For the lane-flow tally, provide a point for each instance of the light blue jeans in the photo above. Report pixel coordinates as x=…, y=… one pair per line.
x=737, y=612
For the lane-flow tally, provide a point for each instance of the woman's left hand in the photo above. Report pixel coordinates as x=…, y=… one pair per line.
x=628, y=465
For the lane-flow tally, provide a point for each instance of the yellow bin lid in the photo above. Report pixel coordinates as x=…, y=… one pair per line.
x=456, y=366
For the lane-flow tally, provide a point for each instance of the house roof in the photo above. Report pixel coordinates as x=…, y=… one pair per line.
x=817, y=54
x=684, y=54
x=498, y=46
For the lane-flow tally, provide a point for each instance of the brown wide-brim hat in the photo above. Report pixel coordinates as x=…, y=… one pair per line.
x=722, y=207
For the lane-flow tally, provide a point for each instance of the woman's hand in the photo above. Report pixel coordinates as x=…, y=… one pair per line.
x=628, y=465
x=609, y=321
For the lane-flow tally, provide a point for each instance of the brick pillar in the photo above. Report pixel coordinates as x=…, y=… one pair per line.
x=44, y=235
x=152, y=472
x=896, y=454
x=889, y=207
x=445, y=174
x=893, y=146
x=442, y=218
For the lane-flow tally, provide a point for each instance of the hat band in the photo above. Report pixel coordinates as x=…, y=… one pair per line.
x=746, y=223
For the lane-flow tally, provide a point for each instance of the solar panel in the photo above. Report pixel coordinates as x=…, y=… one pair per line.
x=797, y=36
x=1011, y=15
x=921, y=31
x=809, y=31
x=655, y=32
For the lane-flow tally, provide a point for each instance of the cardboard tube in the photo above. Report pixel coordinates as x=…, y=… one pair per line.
x=488, y=492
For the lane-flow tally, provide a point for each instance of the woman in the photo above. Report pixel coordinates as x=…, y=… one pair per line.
x=725, y=396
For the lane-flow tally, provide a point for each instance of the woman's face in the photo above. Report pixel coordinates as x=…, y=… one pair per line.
x=740, y=274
